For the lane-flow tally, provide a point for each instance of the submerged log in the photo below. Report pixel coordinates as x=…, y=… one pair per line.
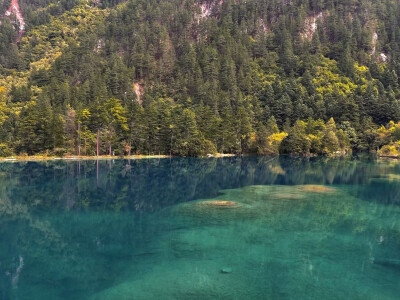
x=317, y=188
x=389, y=262
x=288, y=196
x=220, y=203
x=226, y=270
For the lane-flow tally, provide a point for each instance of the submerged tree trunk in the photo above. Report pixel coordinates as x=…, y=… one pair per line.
x=170, y=149
x=97, y=172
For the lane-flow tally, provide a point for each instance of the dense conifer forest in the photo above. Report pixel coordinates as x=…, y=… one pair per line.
x=196, y=77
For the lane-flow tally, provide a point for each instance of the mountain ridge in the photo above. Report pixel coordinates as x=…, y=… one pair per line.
x=228, y=68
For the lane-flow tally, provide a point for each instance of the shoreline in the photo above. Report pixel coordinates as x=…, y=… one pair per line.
x=101, y=157
x=389, y=156
x=76, y=157
x=33, y=158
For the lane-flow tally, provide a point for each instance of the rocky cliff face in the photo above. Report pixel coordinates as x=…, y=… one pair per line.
x=14, y=12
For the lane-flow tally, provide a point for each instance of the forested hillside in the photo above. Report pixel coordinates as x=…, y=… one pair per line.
x=192, y=77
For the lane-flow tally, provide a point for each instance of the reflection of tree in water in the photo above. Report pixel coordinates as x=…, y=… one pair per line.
x=321, y=170
x=383, y=185
x=22, y=234
x=152, y=184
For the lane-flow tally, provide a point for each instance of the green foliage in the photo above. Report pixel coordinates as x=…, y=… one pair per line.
x=5, y=151
x=297, y=141
x=392, y=150
x=254, y=76
x=316, y=137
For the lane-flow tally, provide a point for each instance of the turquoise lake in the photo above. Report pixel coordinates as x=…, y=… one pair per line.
x=190, y=228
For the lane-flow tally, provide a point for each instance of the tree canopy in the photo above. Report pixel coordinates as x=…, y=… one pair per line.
x=196, y=77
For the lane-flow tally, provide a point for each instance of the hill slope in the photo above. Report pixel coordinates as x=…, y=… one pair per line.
x=191, y=77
